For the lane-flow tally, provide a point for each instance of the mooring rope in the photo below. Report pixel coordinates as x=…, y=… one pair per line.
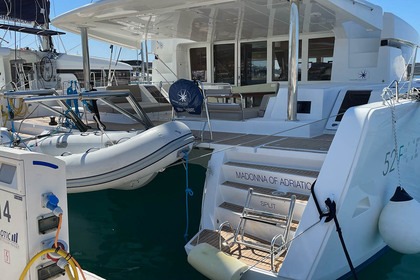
x=188, y=192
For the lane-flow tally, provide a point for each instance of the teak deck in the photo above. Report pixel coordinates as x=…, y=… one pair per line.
x=318, y=144
x=249, y=256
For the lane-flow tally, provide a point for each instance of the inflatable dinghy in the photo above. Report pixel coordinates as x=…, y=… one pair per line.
x=117, y=160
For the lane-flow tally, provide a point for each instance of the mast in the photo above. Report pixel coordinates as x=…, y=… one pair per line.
x=43, y=21
x=46, y=40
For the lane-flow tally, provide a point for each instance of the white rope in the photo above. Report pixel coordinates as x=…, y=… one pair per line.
x=390, y=101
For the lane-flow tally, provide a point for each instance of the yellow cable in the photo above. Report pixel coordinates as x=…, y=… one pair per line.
x=60, y=217
x=73, y=267
x=5, y=115
x=5, y=118
x=62, y=253
x=71, y=261
x=80, y=268
x=21, y=108
x=67, y=269
x=60, y=221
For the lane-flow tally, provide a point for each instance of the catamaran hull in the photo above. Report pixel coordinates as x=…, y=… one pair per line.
x=359, y=174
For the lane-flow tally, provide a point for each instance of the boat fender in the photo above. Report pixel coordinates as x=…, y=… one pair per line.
x=215, y=264
x=398, y=224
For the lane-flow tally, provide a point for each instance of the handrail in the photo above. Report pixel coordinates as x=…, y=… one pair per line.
x=225, y=223
x=214, y=90
x=397, y=91
x=207, y=109
x=167, y=67
x=40, y=96
x=44, y=95
x=24, y=93
x=161, y=75
x=273, y=248
x=290, y=214
x=362, y=4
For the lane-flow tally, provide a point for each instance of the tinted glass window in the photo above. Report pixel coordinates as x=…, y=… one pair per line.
x=224, y=63
x=198, y=64
x=320, y=58
x=253, y=63
x=281, y=60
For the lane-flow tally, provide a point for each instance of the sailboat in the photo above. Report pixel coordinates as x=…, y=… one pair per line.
x=50, y=106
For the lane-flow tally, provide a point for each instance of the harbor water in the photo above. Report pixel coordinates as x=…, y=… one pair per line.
x=140, y=234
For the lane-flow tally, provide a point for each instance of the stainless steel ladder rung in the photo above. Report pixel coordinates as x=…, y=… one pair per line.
x=275, y=248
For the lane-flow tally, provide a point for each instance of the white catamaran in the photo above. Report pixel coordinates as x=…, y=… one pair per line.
x=289, y=93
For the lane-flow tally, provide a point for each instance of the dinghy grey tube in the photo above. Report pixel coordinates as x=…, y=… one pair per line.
x=62, y=144
x=130, y=164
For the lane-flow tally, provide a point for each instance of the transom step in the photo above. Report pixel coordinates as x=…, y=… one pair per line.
x=250, y=256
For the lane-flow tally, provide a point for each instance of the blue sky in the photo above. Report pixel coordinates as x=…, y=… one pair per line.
x=73, y=42
x=406, y=9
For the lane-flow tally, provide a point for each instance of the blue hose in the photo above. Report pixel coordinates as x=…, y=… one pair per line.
x=12, y=124
x=188, y=192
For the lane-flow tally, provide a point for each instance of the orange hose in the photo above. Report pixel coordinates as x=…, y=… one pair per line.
x=60, y=220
